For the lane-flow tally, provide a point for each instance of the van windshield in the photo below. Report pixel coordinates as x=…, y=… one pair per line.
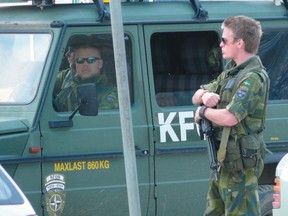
x=22, y=58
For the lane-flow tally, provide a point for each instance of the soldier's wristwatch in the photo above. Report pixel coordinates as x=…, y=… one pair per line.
x=202, y=111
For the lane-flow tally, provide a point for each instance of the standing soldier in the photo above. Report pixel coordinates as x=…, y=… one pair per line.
x=235, y=103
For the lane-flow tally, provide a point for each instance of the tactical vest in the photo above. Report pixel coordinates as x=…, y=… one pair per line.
x=244, y=147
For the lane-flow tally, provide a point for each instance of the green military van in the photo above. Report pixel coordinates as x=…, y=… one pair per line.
x=72, y=163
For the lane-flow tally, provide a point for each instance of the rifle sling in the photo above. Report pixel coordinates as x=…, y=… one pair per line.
x=223, y=145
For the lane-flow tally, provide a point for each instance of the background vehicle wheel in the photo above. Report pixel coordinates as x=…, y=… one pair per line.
x=266, y=199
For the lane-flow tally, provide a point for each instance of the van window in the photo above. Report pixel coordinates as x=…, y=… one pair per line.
x=69, y=75
x=22, y=58
x=273, y=52
x=182, y=61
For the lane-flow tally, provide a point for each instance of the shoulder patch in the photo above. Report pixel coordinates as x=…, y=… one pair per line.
x=242, y=91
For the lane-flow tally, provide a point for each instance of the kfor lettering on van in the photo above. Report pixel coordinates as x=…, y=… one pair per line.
x=166, y=128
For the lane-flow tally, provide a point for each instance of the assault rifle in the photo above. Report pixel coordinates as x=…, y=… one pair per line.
x=207, y=129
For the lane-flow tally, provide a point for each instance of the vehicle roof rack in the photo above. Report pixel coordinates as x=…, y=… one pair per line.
x=41, y=3
x=286, y=4
x=104, y=14
x=200, y=12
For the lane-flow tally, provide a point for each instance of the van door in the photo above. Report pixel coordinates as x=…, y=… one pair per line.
x=272, y=53
x=83, y=165
x=180, y=59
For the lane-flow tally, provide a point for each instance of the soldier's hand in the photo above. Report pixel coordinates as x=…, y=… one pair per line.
x=197, y=116
x=210, y=99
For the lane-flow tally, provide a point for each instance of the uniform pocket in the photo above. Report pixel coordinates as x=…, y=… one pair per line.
x=250, y=150
x=233, y=160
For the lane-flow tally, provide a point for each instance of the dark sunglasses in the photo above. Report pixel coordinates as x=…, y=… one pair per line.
x=89, y=60
x=224, y=40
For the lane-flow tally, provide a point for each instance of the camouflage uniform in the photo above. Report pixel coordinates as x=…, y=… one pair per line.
x=236, y=191
x=66, y=100
x=64, y=78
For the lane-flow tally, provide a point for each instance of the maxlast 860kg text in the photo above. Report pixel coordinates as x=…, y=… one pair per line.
x=81, y=165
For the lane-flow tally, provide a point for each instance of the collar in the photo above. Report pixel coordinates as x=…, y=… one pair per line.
x=233, y=69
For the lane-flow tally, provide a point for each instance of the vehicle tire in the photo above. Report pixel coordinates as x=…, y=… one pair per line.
x=266, y=199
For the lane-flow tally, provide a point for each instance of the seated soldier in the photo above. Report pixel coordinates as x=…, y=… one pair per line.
x=65, y=76
x=88, y=64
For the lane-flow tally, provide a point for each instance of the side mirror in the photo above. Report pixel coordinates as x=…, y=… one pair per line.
x=87, y=105
x=87, y=99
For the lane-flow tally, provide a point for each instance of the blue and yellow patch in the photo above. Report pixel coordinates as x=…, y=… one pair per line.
x=243, y=90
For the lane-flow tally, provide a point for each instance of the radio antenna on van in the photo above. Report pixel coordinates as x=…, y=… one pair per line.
x=200, y=12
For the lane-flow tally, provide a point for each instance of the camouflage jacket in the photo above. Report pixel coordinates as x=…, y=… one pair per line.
x=249, y=99
x=64, y=79
x=107, y=96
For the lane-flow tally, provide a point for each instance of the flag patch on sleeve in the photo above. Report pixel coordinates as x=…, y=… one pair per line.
x=242, y=92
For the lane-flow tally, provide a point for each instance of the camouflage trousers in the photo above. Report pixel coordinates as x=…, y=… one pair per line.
x=235, y=194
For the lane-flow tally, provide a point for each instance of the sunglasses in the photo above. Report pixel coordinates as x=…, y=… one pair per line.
x=89, y=60
x=224, y=40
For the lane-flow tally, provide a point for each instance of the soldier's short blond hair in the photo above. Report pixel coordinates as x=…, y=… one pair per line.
x=247, y=29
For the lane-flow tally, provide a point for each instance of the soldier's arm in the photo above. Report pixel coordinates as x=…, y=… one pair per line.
x=243, y=102
x=209, y=99
x=197, y=97
x=220, y=117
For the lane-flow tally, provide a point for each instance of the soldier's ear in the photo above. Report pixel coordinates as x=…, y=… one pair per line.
x=240, y=43
x=100, y=63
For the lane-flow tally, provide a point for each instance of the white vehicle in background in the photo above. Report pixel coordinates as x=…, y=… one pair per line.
x=12, y=199
x=280, y=207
